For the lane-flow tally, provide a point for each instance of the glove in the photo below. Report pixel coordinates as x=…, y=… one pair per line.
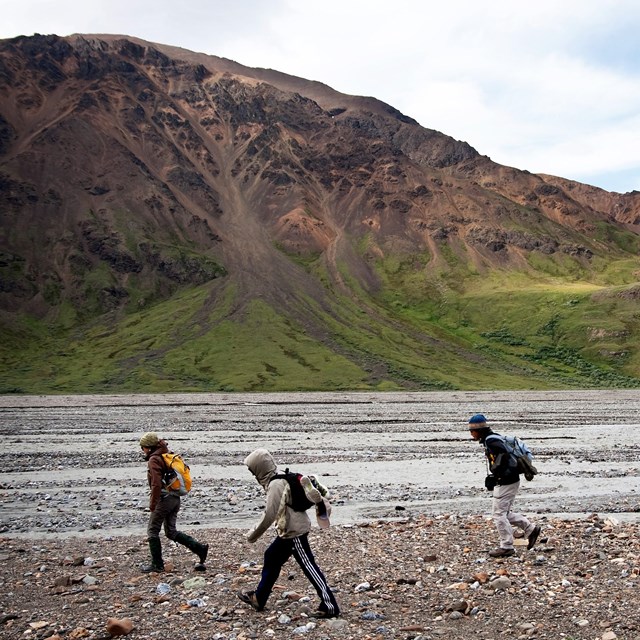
x=490, y=482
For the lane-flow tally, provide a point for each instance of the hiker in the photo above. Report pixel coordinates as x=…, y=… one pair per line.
x=164, y=505
x=504, y=481
x=292, y=538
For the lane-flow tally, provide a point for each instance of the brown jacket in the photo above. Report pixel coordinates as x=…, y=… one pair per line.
x=155, y=471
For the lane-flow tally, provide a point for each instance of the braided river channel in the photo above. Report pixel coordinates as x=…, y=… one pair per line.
x=73, y=467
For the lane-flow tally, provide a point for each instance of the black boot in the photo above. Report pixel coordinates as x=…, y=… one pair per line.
x=201, y=550
x=157, y=565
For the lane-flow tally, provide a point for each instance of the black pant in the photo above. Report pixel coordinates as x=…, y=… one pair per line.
x=280, y=550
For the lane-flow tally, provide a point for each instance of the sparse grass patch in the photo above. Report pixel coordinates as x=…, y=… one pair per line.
x=627, y=241
x=262, y=352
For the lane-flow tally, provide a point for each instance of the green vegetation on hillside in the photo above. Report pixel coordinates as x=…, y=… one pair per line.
x=427, y=329
x=560, y=321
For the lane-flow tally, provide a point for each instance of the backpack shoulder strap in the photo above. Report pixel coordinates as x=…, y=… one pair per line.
x=495, y=436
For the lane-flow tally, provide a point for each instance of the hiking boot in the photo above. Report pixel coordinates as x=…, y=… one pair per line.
x=157, y=564
x=201, y=550
x=533, y=538
x=502, y=553
x=313, y=495
x=151, y=568
x=249, y=597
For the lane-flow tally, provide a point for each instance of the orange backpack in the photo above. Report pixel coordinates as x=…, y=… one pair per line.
x=177, y=477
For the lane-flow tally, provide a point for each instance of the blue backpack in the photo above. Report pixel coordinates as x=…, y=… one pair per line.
x=521, y=454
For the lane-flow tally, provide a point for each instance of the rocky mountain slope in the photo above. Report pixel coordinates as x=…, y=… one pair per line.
x=264, y=231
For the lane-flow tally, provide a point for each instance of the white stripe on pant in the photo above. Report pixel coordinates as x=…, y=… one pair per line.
x=306, y=560
x=279, y=551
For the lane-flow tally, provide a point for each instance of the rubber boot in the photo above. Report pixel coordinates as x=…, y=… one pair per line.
x=157, y=565
x=201, y=550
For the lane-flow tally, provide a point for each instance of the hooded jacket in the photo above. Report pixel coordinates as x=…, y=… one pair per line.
x=289, y=523
x=155, y=471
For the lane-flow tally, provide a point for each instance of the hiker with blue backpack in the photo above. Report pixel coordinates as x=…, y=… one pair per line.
x=289, y=495
x=166, y=487
x=507, y=458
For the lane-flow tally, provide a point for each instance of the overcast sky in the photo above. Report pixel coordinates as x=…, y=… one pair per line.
x=551, y=86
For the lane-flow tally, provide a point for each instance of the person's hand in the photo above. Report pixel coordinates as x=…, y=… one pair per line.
x=490, y=482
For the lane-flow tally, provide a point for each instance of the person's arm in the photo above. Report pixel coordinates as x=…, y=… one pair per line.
x=274, y=498
x=499, y=457
x=156, y=470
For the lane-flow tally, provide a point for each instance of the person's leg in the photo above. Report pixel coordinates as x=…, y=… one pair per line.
x=503, y=497
x=200, y=549
x=153, y=538
x=520, y=521
x=531, y=530
x=304, y=557
x=275, y=556
x=171, y=529
x=170, y=505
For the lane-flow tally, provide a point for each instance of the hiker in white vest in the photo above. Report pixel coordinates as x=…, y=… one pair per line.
x=292, y=538
x=504, y=480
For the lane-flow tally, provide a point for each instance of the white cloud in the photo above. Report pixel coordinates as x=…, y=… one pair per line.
x=549, y=86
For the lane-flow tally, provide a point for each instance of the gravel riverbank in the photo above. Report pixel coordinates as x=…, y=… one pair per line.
x=407, y=550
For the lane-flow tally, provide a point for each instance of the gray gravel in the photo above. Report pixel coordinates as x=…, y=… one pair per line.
x=407, y=552
x=73, y=464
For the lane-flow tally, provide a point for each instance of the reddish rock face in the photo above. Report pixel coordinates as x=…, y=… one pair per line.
x=174, y=168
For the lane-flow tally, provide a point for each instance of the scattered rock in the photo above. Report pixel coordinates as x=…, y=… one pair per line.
x=500, y=583
x=119, y=627
x=452, y=600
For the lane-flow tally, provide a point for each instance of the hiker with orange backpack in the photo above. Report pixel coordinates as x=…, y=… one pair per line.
x=164, y=504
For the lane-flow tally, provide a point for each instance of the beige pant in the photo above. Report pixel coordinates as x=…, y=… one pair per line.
x=504, y=518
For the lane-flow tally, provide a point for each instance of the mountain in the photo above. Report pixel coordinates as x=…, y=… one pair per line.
x=177, y=221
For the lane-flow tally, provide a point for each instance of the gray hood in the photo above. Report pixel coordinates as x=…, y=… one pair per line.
x=261, y=463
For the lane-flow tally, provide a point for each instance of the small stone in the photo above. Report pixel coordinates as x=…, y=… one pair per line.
x=500, y=583
x=460, y=605
x=196, y=602
x=194, y=583
x=119, y=627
